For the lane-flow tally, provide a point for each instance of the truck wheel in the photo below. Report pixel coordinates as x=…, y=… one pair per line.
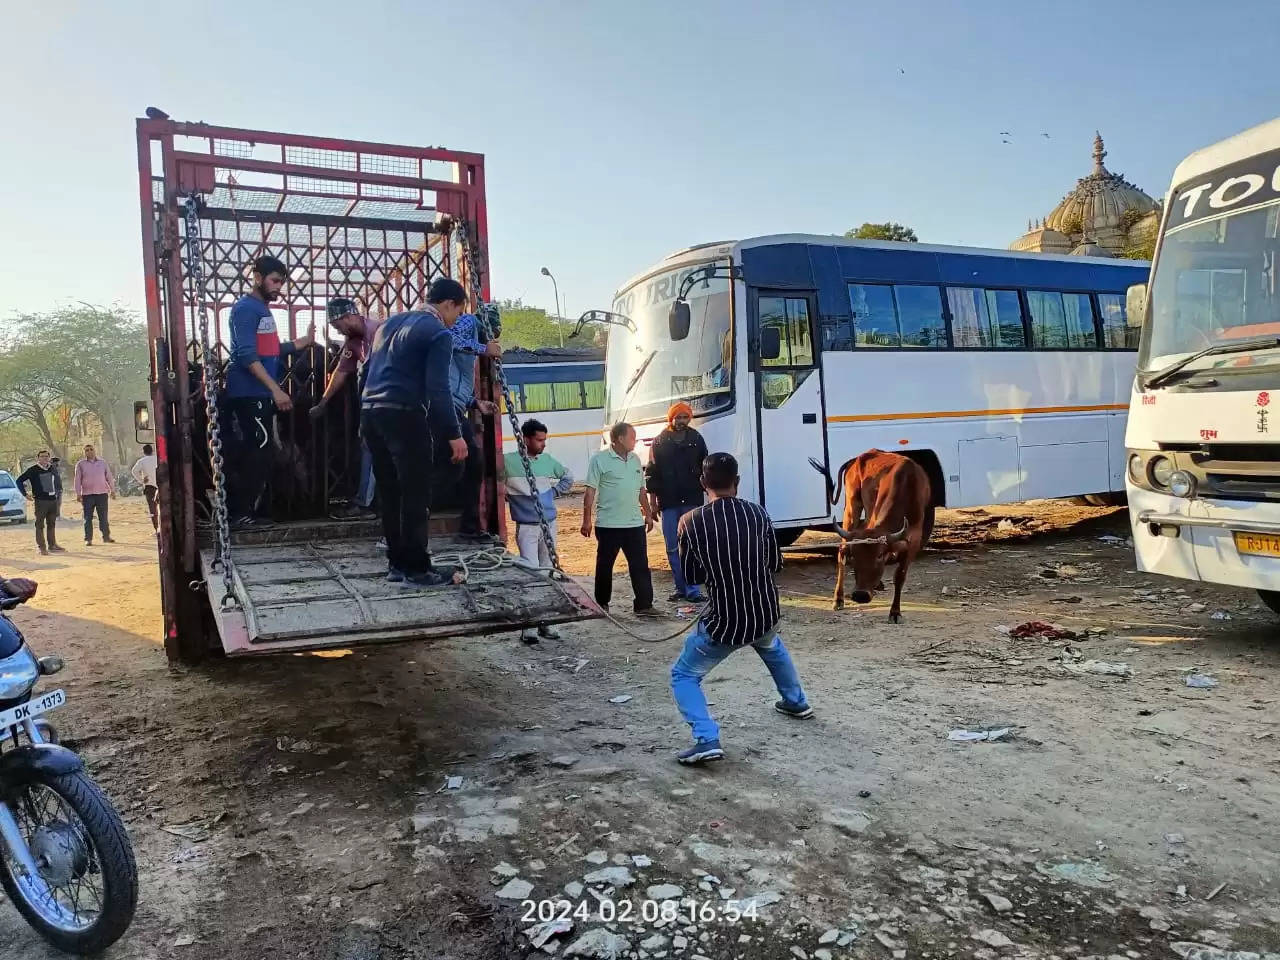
x=1272, y=599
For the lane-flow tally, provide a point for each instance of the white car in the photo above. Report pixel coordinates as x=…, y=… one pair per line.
x=13, y=505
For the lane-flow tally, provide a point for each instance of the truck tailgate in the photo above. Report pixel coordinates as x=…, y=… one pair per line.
x=329, y=593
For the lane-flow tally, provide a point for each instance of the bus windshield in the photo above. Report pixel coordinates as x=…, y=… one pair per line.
x=1215, y=282
x=645, y=372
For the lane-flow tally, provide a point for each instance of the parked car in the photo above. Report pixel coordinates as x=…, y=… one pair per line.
x=13, y=505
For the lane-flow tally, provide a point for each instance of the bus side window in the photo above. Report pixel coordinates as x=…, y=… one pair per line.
x=539, y=397
x=920, y=316
x=1116, y=332
x=594, y=390
x=1061, y=321
x=875, y=320
x=567, y=396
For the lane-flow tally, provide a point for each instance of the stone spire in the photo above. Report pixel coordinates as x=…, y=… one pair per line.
x=1098, y=154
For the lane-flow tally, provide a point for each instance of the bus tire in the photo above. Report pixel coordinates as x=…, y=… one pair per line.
x=787, y=536
x=1272, y=599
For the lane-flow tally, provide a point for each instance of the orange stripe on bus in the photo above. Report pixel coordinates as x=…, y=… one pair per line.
x=582, y=433
x=950, y=414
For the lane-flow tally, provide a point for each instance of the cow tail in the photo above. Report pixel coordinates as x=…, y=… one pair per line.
x=831, y=486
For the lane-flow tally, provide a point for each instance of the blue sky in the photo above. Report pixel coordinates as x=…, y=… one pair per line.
x=616, y=133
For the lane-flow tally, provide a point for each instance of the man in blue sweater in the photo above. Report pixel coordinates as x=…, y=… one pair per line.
x=253, y=392
x=406, y=405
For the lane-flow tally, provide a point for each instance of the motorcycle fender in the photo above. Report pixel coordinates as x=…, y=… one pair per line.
x=16, y=766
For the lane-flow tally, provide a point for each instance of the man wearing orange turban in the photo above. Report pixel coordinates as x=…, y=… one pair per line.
x=673, y=479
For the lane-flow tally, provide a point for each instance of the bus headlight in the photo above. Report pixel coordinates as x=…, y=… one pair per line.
x=1136, y=472
x=1160, y=470
x=1182, y=484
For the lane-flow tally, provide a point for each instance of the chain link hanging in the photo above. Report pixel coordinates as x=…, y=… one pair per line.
x=482, y=317
x=222, y=529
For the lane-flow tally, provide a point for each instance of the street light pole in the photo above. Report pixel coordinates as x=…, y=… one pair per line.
x=559, y=318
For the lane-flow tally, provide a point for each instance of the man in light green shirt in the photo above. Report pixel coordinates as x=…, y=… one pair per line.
x=617, y=498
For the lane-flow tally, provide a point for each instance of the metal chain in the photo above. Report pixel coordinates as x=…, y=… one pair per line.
x=222, y=529
x=482, y=316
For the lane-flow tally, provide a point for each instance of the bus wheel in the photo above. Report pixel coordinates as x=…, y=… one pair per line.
x=788, y=535
x=1272, y=599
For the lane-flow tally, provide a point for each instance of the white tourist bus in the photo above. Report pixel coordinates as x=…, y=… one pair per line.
x=1006, y=375
x=1204, y=425
x=564, y=389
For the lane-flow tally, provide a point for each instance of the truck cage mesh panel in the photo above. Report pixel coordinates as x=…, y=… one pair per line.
x=382, y=253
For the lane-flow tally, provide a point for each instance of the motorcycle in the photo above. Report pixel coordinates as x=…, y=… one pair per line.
x=65, y=857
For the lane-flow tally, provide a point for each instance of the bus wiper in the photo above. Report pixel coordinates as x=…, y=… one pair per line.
x=639, y=373
x=1160, y=377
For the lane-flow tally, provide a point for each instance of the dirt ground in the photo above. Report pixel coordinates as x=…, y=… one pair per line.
x=298, y=807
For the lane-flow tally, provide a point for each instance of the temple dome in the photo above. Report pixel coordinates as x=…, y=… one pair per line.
x=1099, y=201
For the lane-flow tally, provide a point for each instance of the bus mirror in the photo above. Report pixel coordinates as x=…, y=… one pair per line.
x=1135, y=304
x=770, y=343
x=678, y=320
x=143, y=430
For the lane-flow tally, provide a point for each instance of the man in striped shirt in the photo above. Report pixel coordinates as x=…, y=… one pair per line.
x=729, y=547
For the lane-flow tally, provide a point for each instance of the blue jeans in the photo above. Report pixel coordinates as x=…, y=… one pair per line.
x=670, y=525
x=700, y=656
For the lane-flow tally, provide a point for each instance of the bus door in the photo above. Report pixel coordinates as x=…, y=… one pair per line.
x=792, y=421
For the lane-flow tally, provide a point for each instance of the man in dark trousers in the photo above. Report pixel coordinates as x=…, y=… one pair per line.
x=729, y=545
x=405, y=407
x=674, y=481
x=253, y=393
x=45, y=489
x=617, y=504
x=144, y=471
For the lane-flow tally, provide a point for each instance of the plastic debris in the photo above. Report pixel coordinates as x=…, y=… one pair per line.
x=1085, y=874
x=1038, y=629
x=540, y=934
x=454, y=783
x=1220, y=615
x=1104, y=668
x=1200, y=681
x=976, y=736
x=1197, y=608
x=622, y=699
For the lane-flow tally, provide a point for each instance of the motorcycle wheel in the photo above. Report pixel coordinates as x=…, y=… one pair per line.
x=84, y=898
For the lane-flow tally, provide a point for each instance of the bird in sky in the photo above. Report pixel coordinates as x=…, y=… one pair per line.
x=1006, y=133
x=1046, y=136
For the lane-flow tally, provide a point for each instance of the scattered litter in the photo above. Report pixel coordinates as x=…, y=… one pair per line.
x=1105, y=668
x=975, y=736
x=1005, y=526
x=542, y=933
x=622, y=699
x=610, y=876
x=599, y=943
x=949, y=561
x=516, y=889
x=454, y=783
x=1066, y=599
x=685, y=613
x=1038, y=629
x=1003, y=629
x=505, y=870
x=1173, y=839
x=1108, y=538
x=290, y=745
x=664, y=891
x=1066, y=570
x=1197, y=608
x=1220, y=615
x=1086, y=874
x=641, y=861
x=1200, y=681
x=1216, y=890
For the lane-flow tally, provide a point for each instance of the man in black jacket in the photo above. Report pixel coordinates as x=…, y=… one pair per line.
x=44, y=493
x=405, y=405
x=674, y=481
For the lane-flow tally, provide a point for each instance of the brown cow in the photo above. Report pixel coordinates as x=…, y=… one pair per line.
x=892, y=494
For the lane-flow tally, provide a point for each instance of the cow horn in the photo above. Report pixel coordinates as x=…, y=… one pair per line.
x=900, y=535
x=851, y=538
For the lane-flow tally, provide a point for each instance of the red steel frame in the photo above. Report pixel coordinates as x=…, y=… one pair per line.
x=359, y=186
